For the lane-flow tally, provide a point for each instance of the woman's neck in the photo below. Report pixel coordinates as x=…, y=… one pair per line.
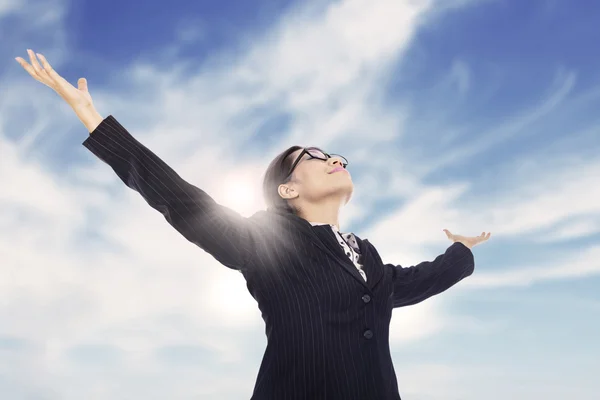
x=322, y=213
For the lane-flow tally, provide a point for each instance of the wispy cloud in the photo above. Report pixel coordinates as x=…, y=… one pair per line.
x=571, y=266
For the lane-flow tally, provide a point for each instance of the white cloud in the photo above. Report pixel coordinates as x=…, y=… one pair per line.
x=583, y=263
x=575, y=228
x=417, y=322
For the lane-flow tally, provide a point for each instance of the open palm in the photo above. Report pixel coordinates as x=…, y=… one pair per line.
x=76, y=97
x=468, y=241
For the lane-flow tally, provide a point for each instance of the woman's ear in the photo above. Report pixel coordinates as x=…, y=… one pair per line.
x=287, y=192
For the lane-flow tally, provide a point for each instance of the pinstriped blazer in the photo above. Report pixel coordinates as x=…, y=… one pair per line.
x=327, y=329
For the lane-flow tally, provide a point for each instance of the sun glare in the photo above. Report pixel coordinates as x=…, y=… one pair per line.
x=241, y=195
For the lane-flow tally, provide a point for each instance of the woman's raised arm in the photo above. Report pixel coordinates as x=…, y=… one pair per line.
x=218, y=230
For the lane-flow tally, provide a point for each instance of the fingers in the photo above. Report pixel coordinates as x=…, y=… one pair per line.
x=43, y=73
x=28, y=68
x=34, y=63
x=473, y=240
x=48, y=68
x=483, y=237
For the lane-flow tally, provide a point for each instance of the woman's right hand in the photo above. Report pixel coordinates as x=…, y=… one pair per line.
x=78, y=97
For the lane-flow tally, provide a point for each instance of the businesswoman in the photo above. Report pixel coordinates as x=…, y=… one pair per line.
x=326, y=296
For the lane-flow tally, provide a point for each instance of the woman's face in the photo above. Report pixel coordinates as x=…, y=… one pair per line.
x=314, y=179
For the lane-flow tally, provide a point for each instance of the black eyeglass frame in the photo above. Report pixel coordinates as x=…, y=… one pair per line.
x=307, y=150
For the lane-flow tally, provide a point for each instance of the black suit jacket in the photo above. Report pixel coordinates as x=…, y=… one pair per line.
x=327, y=328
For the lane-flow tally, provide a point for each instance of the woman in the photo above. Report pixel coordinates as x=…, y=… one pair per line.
x=326, y=297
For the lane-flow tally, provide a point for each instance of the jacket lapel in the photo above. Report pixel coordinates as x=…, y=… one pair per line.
x=372, y=268
x=330, y=241
x=323, y=237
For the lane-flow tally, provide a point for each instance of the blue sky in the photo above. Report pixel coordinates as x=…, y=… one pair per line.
x=461, y=114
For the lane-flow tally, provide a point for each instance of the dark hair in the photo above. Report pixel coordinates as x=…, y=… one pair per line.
x=275, y=175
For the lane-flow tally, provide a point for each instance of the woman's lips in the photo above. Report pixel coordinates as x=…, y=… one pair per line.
x=338, y=169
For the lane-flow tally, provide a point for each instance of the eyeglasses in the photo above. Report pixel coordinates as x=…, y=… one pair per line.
x=318, y=154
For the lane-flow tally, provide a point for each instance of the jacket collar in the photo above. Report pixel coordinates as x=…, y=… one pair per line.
x=324, y=238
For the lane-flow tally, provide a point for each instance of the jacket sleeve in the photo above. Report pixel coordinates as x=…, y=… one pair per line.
x=414, y=284
x=218, y=230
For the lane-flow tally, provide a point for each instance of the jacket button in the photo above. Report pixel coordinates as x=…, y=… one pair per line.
x=368, y=334
x=366, y=298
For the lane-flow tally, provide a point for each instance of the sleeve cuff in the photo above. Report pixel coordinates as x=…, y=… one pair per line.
x=109, y=140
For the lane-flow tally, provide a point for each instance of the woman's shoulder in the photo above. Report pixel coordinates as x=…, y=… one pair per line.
x=277, y=217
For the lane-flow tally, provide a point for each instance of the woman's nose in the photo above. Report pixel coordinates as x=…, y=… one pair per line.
x=335, y=161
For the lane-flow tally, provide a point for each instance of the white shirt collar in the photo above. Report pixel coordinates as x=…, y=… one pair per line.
x=335, y=228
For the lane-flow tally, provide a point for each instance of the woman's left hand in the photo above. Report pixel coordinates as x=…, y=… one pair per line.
x=468, y=241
